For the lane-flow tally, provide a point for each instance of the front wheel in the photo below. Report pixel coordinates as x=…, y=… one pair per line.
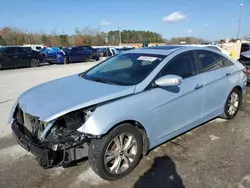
x=116, y=154
x=34, y=63
x=232, y=104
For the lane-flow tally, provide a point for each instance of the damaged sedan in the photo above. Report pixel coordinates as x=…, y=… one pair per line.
x=118, y=110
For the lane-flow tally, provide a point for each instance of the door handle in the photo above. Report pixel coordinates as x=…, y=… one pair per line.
x=228, y=74
x=198, y=86
x=15, y=56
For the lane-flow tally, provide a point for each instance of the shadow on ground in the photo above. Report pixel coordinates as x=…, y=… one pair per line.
x=162, y=174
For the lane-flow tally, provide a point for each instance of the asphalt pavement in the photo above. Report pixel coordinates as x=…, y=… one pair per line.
x=213, y=155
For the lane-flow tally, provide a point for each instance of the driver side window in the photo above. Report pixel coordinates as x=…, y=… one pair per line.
x=182, y=65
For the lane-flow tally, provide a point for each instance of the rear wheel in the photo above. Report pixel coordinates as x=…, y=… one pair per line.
x=116, y=154
x=232, y=104
x=34, y=63
x=66, y=60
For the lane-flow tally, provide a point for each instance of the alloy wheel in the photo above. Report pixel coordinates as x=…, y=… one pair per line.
x=233, y=103
x=34, y=63
x=120, y=153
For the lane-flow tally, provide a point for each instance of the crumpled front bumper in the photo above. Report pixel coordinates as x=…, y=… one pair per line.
x=46, y=155
x=31, y=146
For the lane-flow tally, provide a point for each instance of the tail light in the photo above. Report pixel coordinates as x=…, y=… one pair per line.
x=245, y=71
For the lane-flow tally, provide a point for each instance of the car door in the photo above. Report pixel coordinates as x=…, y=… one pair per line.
x=74, y=55
x=83, y=54
x=24, y=56
x=217, y=73
x=9, y=58
x=180, y=107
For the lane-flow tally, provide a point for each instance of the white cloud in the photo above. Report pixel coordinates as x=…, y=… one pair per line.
x=105, y=23
x=189, y=31
x=175, y=17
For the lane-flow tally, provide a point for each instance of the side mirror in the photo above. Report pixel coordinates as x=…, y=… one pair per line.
x=169, y=80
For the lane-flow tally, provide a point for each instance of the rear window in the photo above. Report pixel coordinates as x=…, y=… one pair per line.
x=210, y=60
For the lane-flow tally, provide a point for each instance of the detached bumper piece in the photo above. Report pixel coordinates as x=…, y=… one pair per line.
x=46, y=156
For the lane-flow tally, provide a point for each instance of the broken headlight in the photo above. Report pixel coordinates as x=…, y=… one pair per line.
x=64, y=129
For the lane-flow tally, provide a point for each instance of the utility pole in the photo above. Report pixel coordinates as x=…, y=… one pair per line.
x=238, y=33
x=120, y=37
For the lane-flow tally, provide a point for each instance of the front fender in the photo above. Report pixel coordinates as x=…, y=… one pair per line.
x=137, y=108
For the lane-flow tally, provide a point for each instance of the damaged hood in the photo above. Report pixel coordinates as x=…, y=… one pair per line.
x=56, y=98
x=246, y=54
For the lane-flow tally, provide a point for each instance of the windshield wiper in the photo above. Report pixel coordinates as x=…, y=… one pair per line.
x=101, y=80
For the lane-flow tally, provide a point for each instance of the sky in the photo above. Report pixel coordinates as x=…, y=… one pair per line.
x=208, y=19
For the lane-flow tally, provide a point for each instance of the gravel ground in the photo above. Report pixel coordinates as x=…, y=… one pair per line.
x=214, y=155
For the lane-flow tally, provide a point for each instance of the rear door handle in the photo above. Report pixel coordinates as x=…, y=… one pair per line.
x=228, y=74
x=15, y=56
x=198, y=86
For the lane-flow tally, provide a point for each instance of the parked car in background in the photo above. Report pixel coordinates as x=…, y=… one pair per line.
x=77, y=54
x=245, y=47
x=89, y=48
x=53, y=55
x=132, y=102
x=106, y=52
x=19, y=56
x=245, y=60
x=124, y=49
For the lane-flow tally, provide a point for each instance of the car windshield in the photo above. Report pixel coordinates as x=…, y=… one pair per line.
x=124, y=69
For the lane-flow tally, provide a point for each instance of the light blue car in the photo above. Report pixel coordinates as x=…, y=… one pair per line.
x=120, y=109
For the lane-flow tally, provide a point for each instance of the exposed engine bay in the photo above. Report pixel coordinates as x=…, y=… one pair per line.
x=61, y=138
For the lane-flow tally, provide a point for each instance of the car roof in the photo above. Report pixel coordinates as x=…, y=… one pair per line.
x=160, y=50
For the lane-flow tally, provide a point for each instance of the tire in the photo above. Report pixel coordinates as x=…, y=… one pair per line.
x=87, y=59
x=129, y=157
x=34, y=63
x=66, y=60
x=230, y=114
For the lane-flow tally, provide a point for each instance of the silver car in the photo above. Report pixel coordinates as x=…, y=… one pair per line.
x=117, y=111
